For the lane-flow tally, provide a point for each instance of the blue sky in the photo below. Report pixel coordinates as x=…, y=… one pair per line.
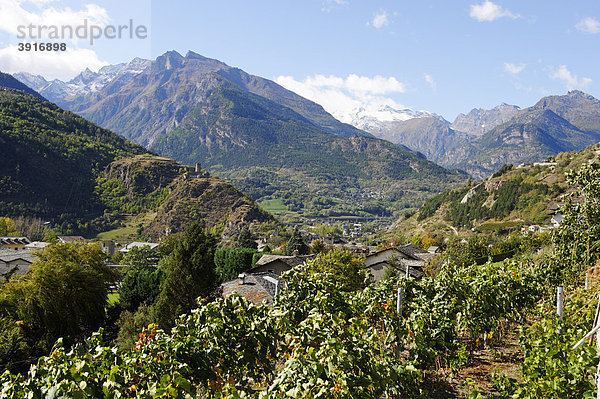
x=442, y=56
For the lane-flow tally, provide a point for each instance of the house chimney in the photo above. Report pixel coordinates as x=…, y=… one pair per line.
x=198, y=167
x=242, y=278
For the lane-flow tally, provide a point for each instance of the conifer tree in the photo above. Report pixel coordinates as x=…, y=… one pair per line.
x=189, y=273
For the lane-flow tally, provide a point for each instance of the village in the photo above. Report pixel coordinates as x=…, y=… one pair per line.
x=259, y=283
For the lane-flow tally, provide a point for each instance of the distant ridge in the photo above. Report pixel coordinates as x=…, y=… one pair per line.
x=9, y=82
x=483, y=140
x=554, y=124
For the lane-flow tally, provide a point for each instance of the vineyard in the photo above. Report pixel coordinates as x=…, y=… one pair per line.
x=316, y=341
x=331, y=337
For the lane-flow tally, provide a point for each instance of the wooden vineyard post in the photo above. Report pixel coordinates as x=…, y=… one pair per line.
x=399, y=295
x=399, y=302
x=595, y=331
x=598, y=369
x=560, y=301
x=595, y=320
x=597, y=347
x=587, y=280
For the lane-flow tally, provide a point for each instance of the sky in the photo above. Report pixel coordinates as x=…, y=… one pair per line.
x=446, y=57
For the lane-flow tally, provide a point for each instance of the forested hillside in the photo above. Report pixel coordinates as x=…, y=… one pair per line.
x=51, y=158
x=84, y=179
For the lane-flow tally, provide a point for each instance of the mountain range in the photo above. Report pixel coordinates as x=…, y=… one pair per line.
x=554, y=124
x=267, y=140
x=481, y=141
x=86, y=82
x=278, y=146
x=121, y=96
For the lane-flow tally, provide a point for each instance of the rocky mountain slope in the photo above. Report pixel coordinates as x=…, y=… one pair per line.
x=84, y=84
x=511, y=198
x=430, y=135
x=144, y=99
x=176, y=196
x=480, y=121
x=555, y=124
x=580, y=109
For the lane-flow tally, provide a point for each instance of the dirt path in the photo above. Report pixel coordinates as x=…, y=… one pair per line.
x=503, y=357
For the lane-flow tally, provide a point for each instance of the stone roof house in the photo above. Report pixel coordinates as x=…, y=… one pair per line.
x=17, y=260
x=404, y=258
x=63, y=239
x=278, y=264
x=14, y=243
x=136, y=244
x=257, y=288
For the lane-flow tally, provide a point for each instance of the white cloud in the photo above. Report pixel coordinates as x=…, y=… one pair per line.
x=50, y=64
x=513, y=69
x=379, y=20
x=570, y=80
x=340, y=96
x=429, y=79
x=588, y=25
x=13, y=15
x=488, y=11
x=519, y=86
x=328, y=5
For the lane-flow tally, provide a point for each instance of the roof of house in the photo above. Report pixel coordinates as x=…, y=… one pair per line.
x=408, y=251
x=415, y=251
x=70, y=238
x=138, y=244
x=7, y=256
x=291, y=261
x=256, y=288
x=14, y=241
x=415, y=267
x=37, y=244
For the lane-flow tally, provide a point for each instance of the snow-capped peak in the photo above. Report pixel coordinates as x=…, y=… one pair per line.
x=86, y=82
x=369, y=118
